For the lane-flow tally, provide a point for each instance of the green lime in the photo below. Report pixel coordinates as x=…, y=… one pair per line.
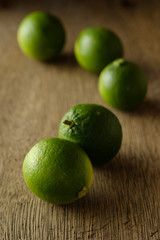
x=122, y=84
x=96, y=129
x=96, y=47
x=41, y=36
x=57, y=171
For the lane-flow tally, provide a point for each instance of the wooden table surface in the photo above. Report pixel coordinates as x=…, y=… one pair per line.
x=124, y=200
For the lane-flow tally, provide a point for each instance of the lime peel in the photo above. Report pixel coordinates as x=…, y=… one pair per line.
x=41, y=36
x=97, y=131
x=122, y=85
x=96, y=47
x=56, y=169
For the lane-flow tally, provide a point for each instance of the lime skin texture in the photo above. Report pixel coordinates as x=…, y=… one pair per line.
x=41, y=36
x=123, y=85
x=96, y=129
x=96, y=47
x=57, y=171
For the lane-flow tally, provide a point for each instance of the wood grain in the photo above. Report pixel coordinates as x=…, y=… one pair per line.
x=124, y=201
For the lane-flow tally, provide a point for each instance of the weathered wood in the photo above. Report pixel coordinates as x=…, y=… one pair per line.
x=124, y=201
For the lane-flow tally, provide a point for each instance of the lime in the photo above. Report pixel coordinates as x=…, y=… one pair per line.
x=57, y=171
x=41, y=36
x=96, y=129
x=122, y=84
x=96, y=47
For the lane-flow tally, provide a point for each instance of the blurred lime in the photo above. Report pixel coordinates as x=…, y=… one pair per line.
x=96, y=129
x=122, y=84
x=96, y=47
x=41, y=36
x=57, y=171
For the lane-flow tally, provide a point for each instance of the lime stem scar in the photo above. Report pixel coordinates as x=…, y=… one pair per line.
x=82, y=192
x=69, y=123
x=120, y=62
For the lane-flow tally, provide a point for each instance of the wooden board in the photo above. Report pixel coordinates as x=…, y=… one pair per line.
x=124, y=201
